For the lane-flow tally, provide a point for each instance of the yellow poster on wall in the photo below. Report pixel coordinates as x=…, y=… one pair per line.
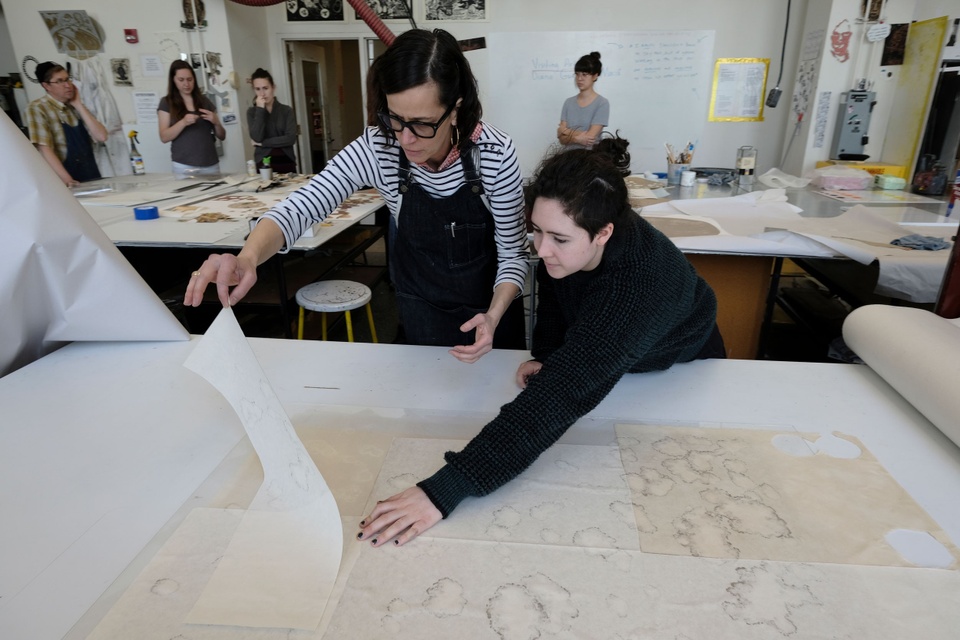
x=738, y=88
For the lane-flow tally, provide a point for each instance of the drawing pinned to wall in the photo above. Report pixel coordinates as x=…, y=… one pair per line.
x=121, y=72
x=875, y=6
x=823, y=113
x=456, y=10
x=389, y=9
x=806, y=77
x=807, y=72
x=894, y=45
x=813, y=44
x=314, y=10
x=840, y=40
x=214, y=66
x=190, y=21
x=74, y=32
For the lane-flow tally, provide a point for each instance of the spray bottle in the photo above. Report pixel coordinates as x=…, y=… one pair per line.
x=136, y=160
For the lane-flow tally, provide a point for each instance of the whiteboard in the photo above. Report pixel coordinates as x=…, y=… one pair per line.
x=657, y=82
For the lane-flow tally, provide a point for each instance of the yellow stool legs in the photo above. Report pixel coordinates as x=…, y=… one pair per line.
x=349, y=320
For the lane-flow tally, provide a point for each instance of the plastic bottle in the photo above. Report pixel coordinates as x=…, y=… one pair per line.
x=746, y=165
x=136, y=160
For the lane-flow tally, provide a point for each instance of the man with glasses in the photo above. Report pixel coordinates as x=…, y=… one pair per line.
x=61, y=127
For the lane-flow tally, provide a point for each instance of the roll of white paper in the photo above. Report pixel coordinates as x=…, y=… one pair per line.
x=917, y=353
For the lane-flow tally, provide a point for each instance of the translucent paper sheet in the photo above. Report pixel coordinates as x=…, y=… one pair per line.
x=283, y=559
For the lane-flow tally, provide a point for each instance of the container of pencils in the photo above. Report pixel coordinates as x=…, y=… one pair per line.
x=677, y=163
x=674, y=171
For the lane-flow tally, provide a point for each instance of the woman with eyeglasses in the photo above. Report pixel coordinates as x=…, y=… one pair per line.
x=586, y=114
x=452, y=183
x=188, y=120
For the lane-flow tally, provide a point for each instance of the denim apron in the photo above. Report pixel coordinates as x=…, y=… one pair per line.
x=443, y=263
x=80, y=163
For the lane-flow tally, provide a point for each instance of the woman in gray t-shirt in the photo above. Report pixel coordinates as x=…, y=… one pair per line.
x=586, y=114
x=189, y=121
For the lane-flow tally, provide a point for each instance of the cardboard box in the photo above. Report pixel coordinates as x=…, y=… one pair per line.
x=874, y=168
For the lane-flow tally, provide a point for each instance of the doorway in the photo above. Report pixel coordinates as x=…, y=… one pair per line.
x=326, y=80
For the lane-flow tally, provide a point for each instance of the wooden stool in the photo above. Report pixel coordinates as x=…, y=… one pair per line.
x=335, y=295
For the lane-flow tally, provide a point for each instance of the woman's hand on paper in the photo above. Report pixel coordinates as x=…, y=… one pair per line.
x=227, y=270
x=399, y=519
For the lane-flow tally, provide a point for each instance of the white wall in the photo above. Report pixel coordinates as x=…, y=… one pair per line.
x=927, y=9
x=250, y=44
x=253, y=36
x=158, y=24
x=744, y=28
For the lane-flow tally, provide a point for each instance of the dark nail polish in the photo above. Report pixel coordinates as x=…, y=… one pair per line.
x=360, y=536
x=396, y=542
x=374, y=541
x=363, y=523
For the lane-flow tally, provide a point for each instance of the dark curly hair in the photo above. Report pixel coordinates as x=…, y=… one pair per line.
x=587, y=185
x=417, y=57
x=615, y=147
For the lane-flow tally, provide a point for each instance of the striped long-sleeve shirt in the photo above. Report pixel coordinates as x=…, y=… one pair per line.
x=373, y=160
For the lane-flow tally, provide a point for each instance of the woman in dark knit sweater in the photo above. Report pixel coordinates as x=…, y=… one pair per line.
x=615, y=296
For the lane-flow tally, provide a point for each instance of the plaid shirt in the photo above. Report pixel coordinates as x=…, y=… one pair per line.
x=44, y=116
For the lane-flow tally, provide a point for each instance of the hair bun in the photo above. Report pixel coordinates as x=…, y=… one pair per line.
x=595, y=54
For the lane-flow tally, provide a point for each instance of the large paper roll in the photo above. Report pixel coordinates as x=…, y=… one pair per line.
x=917, y=353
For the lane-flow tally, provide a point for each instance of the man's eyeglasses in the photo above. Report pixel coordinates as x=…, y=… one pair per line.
x=61, y=81
x=419, y=129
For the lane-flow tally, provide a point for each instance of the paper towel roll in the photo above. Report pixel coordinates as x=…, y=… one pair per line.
x=917, y=353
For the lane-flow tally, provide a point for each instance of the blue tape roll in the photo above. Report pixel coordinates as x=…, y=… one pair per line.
x=146, y=213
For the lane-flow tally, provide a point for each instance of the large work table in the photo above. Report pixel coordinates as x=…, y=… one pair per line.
x=106, y=449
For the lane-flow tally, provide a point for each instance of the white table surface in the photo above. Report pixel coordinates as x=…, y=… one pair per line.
x=103, y=445
x=120, y=225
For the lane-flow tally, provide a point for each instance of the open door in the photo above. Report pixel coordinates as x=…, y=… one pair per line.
x=306, y=68
x=911, y=102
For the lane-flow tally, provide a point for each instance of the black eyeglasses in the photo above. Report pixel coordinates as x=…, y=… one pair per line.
x=61, y=81
x=419, y=129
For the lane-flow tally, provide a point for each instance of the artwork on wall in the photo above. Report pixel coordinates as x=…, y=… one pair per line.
x=840, y=41
x=875, y=7
x=390, y=9
x=121, y=72
x=74, y=33
x=456, y=10
x=314, y=10
x=190, y=21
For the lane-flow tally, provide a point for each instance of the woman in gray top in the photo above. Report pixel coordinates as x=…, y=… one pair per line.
x=586, y=114
x=273, y=129
x=189, y=121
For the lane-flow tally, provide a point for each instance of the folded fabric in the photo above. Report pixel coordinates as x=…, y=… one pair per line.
x=923, y=243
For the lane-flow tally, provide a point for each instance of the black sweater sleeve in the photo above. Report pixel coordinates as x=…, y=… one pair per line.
x=622, y=324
